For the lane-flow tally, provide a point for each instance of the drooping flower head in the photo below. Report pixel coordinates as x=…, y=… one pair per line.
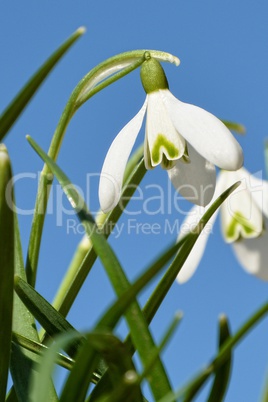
x=244, y=223
x=184, y=139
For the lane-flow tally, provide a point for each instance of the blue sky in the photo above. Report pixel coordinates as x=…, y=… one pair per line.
x=223, y=51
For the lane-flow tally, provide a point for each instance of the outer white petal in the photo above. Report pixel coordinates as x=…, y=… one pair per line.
x=241, y=203
x=159, y=128
x=196, y=180
x=252, y=254
x=194, y=258
x=259, y=192
x=115, y=162
x=207, y=134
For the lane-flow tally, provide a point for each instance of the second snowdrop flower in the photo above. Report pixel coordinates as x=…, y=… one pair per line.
x=244, y=220
x=185, y=139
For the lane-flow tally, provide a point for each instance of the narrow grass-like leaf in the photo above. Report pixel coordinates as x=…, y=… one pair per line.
x=13, y=111
x=41, y=377
x=78, y=272
x=140, y=333
x=222, y=356
x=6, y=267
x=124, y=388
x=116, y=356
x=264, y=396
x=237, y=127
x=42, y=310
x=185, y=245
x=38, y=348
x=113, y=314
x=169, y=277
x=24, y=325
x=222, y=375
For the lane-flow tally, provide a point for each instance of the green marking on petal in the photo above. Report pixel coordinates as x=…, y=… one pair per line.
x=240, y=227
x=166, y=163
x=171, y=152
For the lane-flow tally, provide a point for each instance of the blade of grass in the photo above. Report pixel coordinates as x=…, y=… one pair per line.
x=169, y=277
x=138, y=327
x=165, y=283
x=113, y=351
x=42, y=310
x=41, y=376
x=124, y=388
x=264, y=396
x=222, y=356
x=24, y=325
x=86, y=256
x=222, y=375
x=6, y=268
x=237, y=127
x=15, y=108
x=38, y=348
x=82, y=262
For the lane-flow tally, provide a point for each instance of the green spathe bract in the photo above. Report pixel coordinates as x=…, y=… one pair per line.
x=152, y=74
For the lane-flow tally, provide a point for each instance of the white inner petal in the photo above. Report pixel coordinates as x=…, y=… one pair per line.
x=162, y=138
x=241, y=216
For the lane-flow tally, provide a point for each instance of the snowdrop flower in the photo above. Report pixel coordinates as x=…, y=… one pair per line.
x=185, y=139
x=244, y=220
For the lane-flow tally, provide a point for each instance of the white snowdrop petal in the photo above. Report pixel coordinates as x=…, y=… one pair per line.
x=240, y=214
x=115, y=162
x=161, y=135
x=196, y=180
x=252, y=254
x=195, y=256
x=205, y=132
x=259, y=191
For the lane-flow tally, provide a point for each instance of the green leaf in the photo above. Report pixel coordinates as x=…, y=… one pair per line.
x=86, y=255
x=42, y=310
x=24, y=325
x=169, y=277
x=140, y=333
x=39, y=349
x=222, y=375
x=41, y=376
x=233, y=126
x=6, y=266
x=264, y=397
x=15, y=108
x=220, y=359
x=184, y=246
x=116, y=356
